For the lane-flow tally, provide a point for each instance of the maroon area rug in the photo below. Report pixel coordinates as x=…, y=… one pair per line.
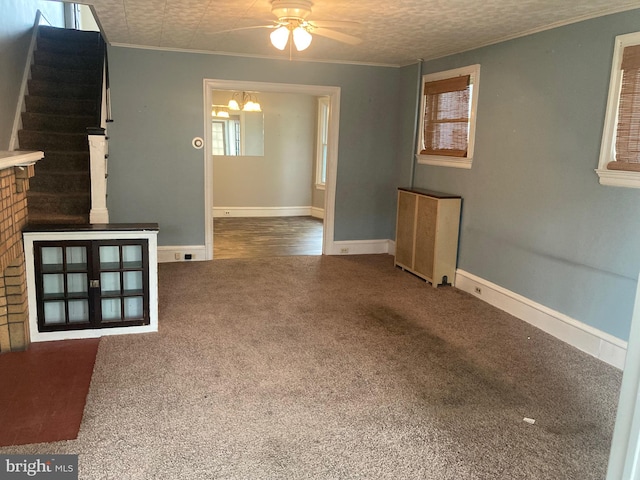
x=44, y=390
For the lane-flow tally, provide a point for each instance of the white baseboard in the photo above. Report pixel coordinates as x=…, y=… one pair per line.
x=317, y=212
x=392, y=247
x=359, y=247
x=262, y=212
x=168, y=254
x=595, y=342
x=91, y=333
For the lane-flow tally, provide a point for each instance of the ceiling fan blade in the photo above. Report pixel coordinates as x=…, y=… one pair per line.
x=333, y=23
x=241, y=28
x=339, y=36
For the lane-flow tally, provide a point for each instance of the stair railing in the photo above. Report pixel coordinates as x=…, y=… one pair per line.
x=98, y=150
x=17, y=120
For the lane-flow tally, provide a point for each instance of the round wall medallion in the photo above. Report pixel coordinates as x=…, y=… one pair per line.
x=197, y=143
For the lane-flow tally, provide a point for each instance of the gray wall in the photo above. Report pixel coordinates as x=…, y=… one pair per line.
x=283, y=176
x=535, y=219
x=16, y=22
x=157, y=98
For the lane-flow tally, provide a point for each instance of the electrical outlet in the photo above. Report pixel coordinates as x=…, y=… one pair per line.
x=344, y=250
x=227, y=213
x=176, y=256
x=188, y=256
x=478, y=290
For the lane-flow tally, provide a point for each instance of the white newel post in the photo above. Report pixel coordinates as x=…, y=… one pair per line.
x=98, y=166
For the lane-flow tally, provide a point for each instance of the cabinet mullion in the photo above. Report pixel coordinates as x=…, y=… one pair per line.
x=94, y=292
x=121, y=275
x=65, y=289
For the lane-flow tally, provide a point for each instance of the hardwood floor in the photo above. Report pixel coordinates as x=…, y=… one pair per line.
x=238, y=237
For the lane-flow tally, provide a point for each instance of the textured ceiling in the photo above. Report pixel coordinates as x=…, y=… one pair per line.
x=394, y=32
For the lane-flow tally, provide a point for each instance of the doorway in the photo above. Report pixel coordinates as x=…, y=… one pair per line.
x=333, y=96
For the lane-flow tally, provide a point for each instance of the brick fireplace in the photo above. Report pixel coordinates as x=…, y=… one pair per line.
x=14, y=183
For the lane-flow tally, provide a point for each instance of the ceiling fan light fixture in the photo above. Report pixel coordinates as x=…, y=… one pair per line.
x=301, y=38
x=280, y=37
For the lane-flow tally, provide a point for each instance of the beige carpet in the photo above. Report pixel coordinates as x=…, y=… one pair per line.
x=336, y=368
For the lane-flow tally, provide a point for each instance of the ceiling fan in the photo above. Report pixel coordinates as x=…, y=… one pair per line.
x=292, y=22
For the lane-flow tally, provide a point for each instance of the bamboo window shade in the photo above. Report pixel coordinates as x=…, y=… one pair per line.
x=446, y=116
x=628, y=128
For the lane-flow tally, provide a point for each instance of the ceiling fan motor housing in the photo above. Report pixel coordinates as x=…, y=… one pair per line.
x=291, y=9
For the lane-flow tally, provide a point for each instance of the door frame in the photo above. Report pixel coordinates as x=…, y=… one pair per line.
x=624, y=453
x=333, y=93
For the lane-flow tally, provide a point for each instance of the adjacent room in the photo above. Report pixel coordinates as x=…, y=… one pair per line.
x=269, y=173
x=293, y=239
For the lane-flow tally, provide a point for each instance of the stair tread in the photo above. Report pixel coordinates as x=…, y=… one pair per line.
x=70, y=54
x=56, y=32
x=67, y=172
x=83, y=153
x=57, y=218
x=55, y=132
x=58, y=84
x=51, y=115
x=68, y=70
x=61, y=194
x=63, y=99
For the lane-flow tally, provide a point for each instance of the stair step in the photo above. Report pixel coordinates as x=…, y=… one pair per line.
x=64, y=106
x=43, y=88
x=59, y=203
x=57, y=123
x=56, y=161
x=63, y=182
x=63, y=75
x=66, y=61
x=39, y=140
x=64, y=91
x=48, y=218
x=56, y=45
x=68, y=34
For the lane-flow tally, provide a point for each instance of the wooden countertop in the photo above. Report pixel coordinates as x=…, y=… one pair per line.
x=429, y=193
x=96, y=227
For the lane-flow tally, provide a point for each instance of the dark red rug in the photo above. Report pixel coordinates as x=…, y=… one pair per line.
x=43, y=391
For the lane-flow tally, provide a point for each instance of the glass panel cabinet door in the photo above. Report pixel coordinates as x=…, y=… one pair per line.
x=62, y=285
x=91, y=284
x=124, y=282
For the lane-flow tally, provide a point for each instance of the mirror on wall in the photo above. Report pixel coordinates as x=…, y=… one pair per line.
x=236, y=132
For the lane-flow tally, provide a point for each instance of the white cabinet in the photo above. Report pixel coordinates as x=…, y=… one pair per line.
x=427, y=234
x=88, y=280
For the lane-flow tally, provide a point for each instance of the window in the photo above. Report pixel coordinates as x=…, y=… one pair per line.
x=225, y=137
x=322, y=142
x=619, y=163
x=448, y=117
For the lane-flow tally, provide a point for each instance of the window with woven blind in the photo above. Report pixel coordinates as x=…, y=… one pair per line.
x=628, y=129
x=448, y=117
x=619, y=163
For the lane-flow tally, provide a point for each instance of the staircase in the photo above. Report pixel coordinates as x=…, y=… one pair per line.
x=64, y=99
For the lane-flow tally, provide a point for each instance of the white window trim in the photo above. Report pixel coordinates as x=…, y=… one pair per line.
x=322, y=101
x=615, y=178
x=442, y=160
